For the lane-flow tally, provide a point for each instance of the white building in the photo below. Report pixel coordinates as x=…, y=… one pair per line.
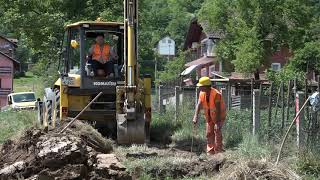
x=167, y=47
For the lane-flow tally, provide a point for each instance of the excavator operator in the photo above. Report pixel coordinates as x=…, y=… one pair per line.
x=100, y=57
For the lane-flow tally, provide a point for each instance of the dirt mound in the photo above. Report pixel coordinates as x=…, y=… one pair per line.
x=256, y=170
x=79, y=153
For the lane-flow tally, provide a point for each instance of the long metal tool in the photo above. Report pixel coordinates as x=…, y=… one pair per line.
x=84, y=109
x=292, y=123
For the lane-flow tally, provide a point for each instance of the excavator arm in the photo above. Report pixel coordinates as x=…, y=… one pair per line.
x=133, y=99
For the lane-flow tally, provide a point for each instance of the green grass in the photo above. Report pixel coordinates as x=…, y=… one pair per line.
x=308, y=164
x=238, y=141
x=12, y=123
x=29, y=83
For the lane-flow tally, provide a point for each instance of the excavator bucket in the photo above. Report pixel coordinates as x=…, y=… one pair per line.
x=130, y=131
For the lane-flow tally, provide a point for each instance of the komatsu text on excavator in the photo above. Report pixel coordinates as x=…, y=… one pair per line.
x=123, y=111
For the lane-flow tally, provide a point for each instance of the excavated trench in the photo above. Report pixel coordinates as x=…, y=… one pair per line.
x=82, y=153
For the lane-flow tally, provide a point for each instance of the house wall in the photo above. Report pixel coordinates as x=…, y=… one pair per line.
x=166, y=47
x=281, y=56
x=6, y=80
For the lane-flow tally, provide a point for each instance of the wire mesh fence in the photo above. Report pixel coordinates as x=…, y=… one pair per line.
x=276, y=105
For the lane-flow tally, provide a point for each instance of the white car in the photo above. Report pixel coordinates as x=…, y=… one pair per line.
x=22, y=100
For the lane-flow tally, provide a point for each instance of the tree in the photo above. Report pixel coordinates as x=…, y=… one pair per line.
x=173, y=68
x=23, y=53
x=248, y=24
x=40, y=24
x=307, y=58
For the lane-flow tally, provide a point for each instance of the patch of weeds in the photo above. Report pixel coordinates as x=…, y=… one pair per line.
x=308, y=165
x=157, y=166
x=12, y=123
x=251, y=148
x=145, y=176
x=162, y=127
x=237, y=123
x=186, y=130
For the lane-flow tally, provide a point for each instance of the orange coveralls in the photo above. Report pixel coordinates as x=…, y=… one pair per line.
x=215, y=113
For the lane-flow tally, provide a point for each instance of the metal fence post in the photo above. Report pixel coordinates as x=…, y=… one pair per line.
x=229, y=96
x=251, y=98
x=160, y=105
x=300, y=120
x=256, y=111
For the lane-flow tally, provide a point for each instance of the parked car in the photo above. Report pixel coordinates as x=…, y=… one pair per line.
x=22, y=100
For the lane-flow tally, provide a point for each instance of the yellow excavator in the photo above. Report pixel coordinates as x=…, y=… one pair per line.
x=123, y=111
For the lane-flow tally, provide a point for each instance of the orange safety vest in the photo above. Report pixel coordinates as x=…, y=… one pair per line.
x=214, y=109
x=97, y=53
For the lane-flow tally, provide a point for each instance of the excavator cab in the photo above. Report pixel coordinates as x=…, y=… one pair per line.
x=80, y=38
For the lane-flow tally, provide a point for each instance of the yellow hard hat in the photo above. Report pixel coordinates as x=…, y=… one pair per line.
x=74, y=44
x=204, y=81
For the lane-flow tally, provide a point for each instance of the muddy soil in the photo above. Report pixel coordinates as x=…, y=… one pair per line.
x=79, y=153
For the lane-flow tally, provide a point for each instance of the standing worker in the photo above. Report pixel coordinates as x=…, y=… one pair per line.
x=211, y=101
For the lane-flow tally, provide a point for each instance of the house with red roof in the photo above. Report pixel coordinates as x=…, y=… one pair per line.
x=203, y=59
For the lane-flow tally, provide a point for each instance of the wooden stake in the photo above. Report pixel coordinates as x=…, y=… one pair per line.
x=288, y=99
x=277, y=102
x=270, y=106
x=256, y=112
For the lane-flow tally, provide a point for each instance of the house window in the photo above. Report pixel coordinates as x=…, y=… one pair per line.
x=276, y=66
x=195, y=45
x=169, y=41
x=207, y=47
x=164, y=41
x=210, y=46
